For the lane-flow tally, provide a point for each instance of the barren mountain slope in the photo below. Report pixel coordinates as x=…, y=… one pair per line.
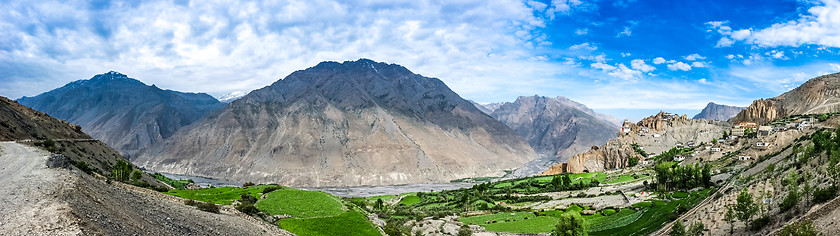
x=714, y=111
x=352, y=123
x=817, y=95
x=555, y=126
x=123, y=112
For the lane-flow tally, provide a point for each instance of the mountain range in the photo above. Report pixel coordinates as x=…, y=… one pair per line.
x=714, y=111
x=123, y=112
x=556, y=127
x=352, y=123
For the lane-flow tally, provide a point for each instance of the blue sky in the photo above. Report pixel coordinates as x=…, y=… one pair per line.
x=626, y=58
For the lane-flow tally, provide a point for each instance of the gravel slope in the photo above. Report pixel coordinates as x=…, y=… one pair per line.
x=41, y=201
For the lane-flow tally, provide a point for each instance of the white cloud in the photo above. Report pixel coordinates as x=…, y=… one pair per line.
x=777, y=54
x=602, y=66
x=220, y=47
x=730, y=56
x=628, y=30
x=679, y=66
x=581, y=31
x=694, y=57
x=625, y=73
x=724, y=42
x=658, y=60
x=698, y=64
x=584, y=46
x=816, y=27
x=626, y=54
x=702, y=81
x=639, y=64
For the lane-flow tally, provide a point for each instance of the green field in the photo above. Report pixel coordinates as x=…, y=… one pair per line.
x=220, y=195
x=621, y=179
x=372, y=199
x=351, y=221
x=300, y=203
x=410, y=200
x=513, y=222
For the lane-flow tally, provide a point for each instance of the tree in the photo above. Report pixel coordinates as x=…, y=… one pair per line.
x=730, y=218
x=714, y=141
x=806, y=192
x=379, y=205
x=633, y=161
x=121, y=170
x=571, y=224
x=136, y=175
x=745, y=206
x=678, y=229
x=696, y=229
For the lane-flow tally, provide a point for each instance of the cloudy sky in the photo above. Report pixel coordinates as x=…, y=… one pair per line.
x=626, y=58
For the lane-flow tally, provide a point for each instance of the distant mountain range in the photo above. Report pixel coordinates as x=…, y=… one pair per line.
x=714, y=111
x=817, y=95
x=338, y=124
x=556, y=126
x=123, y=112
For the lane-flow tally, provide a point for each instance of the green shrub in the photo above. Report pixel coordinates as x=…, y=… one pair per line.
x=270, y=189
x=136, y=175
x=247, y=208
x=83, y=166
x=790, y=201
x=759, y=223
x=465, y=231
x=204, y=206
x=825, y=194
x=247, y=198
x=805, y=228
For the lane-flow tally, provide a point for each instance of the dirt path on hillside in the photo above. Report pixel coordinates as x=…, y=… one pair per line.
x=29, y=193
x=35, y=200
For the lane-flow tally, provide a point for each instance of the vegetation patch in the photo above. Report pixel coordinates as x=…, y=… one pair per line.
x=300, y=203
x=513, y=222
x=220, y=195
x=410, y=200
x=351, y=221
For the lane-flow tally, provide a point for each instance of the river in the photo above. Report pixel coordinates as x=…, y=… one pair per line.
x=354, y=191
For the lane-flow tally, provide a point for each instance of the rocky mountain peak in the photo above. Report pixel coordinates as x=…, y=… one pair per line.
x=714, y=111
x=123, y=112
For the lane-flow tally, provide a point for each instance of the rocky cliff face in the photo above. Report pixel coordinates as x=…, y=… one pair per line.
x=654, y=134
x=555, y=126
x=719, y=112
x=817, y=95
x=123, y=112
x=342, y=124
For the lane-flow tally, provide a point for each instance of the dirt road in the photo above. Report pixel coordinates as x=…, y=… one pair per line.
x=29, y=192
x=35, y=200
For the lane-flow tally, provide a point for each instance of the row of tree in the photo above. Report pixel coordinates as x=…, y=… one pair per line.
x=671, y=176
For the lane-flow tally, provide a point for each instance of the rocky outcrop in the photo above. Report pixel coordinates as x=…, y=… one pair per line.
x=123, y=112
x=344, y=124
x=714, y=111
x=760, y=111
x=654, y=134
x=614, y=154
x=817, y=95
x=555, y=126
